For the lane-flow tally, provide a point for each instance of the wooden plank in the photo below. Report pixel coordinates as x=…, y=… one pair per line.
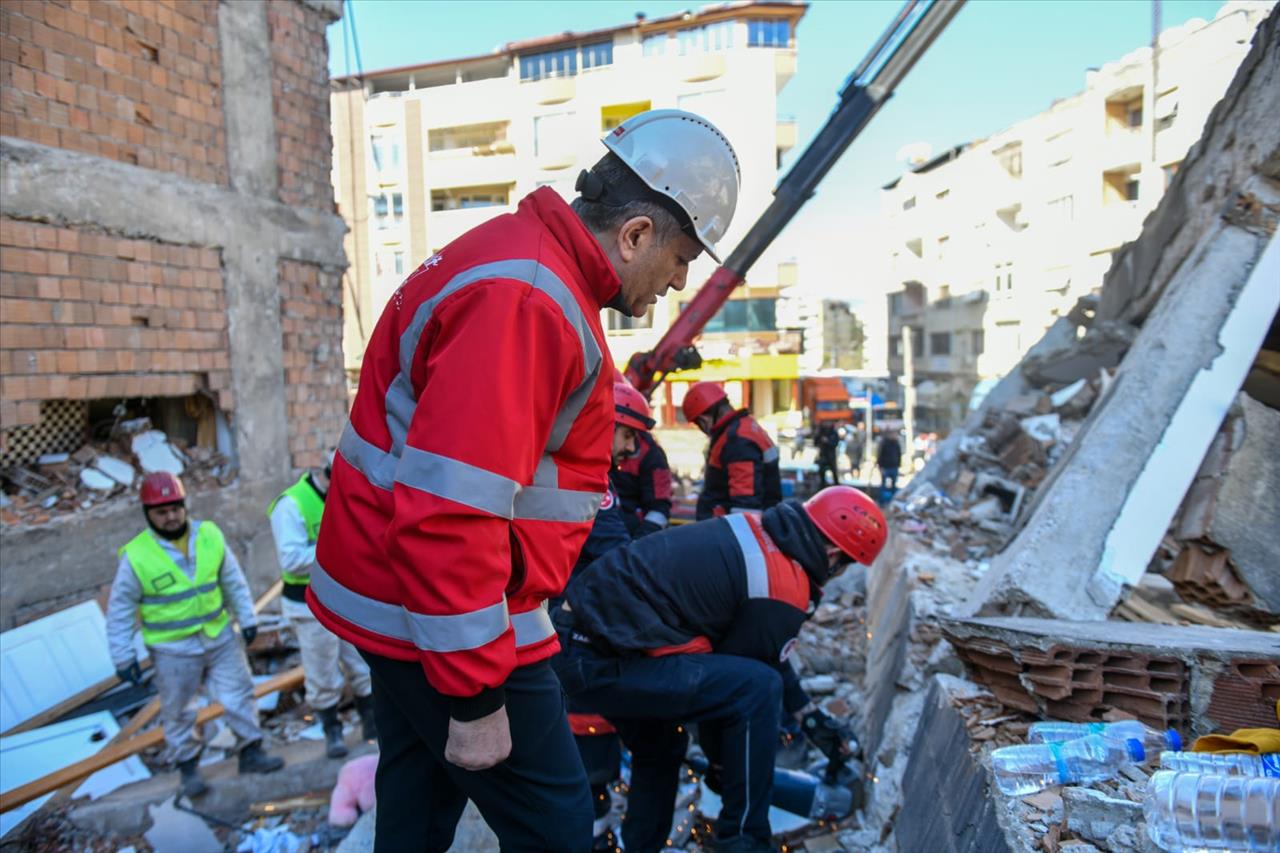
x=113, y=753
x=268, y=596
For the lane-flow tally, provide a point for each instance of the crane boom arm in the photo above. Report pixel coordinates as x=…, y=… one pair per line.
x=868, y=87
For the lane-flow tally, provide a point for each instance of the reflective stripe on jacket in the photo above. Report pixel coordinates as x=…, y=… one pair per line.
x=173, y=605
x=477, y=452
x=311, y=507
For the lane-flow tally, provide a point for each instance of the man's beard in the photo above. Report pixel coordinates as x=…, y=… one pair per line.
x=171, y=535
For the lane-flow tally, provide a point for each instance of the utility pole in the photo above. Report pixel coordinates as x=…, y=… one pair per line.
x=908, y=394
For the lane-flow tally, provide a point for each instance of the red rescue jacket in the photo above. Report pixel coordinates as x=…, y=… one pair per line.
x=742, y=468
x=476, y=455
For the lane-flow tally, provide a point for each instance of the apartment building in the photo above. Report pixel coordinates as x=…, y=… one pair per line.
x=991, y=241
x=423, y=153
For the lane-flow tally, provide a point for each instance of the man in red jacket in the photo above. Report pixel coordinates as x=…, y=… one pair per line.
x=742, y=473
x=467, y=479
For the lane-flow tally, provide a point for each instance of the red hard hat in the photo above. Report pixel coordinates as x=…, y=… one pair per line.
x=851, y=520
x=162, y=488
x=700, y=397
x=631, y=407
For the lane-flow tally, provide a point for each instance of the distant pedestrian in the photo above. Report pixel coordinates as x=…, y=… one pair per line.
x=828, y=441
x=180, y=578
x=854, y=445
x=888, y=459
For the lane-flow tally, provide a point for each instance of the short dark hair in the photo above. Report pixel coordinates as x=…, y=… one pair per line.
x=603, y=218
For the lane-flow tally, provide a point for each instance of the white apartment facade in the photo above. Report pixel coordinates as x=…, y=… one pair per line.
x=991, y=241
x=423, y=153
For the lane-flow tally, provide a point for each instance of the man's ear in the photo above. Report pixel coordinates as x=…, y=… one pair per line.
x=633, y=236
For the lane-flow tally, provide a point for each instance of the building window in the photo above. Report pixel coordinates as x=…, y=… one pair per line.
x=1169, y=172
x=1131, y=189
x=467, y=136
x=768, y=32
x=744, y=315
x=712, y=37
x=551, y=133
x=654, y=45
x=386, y=153
x=942, y=196
x=464, y=198
x=388, y=209
x=944, y=243
x=1062, y=209
x=917, y=344
x=940, y=343
x=597, y=55
x=399, y=263
x=1004, y=276
x=619, y=322
x=1010, y=158
x=979, y=341
x=909, y=203
x=895, y=347
x=1133, y=115
x=551, y=63
x=895, y=303
x=615, y=114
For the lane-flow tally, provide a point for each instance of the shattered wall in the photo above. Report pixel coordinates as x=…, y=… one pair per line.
x=168, y=229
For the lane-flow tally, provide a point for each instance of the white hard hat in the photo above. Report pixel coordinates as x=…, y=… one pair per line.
x=685, y=158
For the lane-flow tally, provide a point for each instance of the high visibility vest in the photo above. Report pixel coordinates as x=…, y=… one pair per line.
x=311, y=505
x=173, y=605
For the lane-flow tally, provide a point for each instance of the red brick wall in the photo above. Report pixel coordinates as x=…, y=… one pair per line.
x=85, y=315
x=315, y=383
x=137, y=81
x=300, y=94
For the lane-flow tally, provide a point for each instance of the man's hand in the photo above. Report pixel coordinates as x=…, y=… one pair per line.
x=131, y=673
x=479, y=744
x=249, y=633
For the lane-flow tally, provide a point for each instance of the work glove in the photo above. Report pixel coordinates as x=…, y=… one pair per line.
x=249, y=632
x=131, y=673
x=825, y=732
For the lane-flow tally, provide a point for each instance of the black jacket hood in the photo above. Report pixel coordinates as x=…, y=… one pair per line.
x=790, y=527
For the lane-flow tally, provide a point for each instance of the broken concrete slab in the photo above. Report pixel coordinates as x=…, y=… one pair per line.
x=1094, y=816
x=1103, y=346
x=124, y=811
x=945, y=807
x=889, y=618
x=1099, y=520
x=1195, y=679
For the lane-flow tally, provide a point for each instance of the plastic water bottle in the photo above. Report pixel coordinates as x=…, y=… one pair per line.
x=1027, y=768
x=1226, y=764
x=1199, y=811
x=1153, y=740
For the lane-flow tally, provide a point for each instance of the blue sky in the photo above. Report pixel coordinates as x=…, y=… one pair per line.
x=1000, y=61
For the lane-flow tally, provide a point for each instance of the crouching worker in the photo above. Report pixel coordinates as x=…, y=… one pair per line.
x=327, y=661
x=694, y=625
x=179, y=577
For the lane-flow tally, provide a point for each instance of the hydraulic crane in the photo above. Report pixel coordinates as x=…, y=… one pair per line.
x=872, y=83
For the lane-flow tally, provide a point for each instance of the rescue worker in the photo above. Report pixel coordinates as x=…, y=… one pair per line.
x=741, y=473
x=179, y=578
x=596, y=739
x=641, y=621
x=827, y=442
x=888, y=458
x=642, y=480
x=327, y=661
x=467, y=479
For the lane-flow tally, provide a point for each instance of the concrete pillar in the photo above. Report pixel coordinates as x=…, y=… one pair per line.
x=415, y=175
x=908, y=394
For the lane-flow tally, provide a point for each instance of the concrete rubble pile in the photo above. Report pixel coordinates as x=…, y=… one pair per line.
x=102, y=470
x=1099, y=540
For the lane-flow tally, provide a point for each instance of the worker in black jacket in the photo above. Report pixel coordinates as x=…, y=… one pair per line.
x=695, y=624
x=643, y=484
x=741, y=474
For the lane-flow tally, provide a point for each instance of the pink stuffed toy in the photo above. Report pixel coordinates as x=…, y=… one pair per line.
x=354, y=792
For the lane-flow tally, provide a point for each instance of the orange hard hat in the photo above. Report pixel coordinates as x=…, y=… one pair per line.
x=701, y=397
x=161, y=488
x=631, y=408
x=851, y=520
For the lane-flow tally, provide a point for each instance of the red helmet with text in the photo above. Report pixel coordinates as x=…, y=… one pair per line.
x=851, y=520
x=161, y=488
x=700, y=397
x=631, y=408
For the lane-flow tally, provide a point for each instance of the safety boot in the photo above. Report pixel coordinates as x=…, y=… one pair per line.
x=193, y=784
x=254, y=760
x=332, y=725
x=368, y=725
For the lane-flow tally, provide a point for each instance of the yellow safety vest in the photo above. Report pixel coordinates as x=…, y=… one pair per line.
x=173, y=605
x=311, y=505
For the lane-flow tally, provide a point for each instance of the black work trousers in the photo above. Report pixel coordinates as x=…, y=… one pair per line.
x=536, y=800
x=736, y=703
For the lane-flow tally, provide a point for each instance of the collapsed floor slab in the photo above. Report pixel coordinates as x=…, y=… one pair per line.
x=1194, y=679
